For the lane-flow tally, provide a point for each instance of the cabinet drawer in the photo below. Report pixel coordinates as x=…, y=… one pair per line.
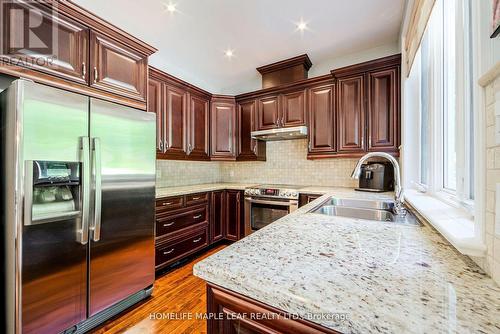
x=192, y=199
x=170, y=223
x=169, y=203
x=180, y=247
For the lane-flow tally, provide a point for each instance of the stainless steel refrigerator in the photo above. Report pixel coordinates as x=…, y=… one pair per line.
x=78, y=187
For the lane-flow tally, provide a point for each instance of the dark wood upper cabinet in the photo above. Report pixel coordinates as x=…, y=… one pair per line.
x=268, y=112
x=383, y=110
x=351, y=113
x=217, y=216
x=155, y=105
x=198, y=125
x=223, y=129
x=321, y=120
x=248, y=148
x=293, y=111
x=117, y=68
x=175, y=122
x=233, y=214
x=66, y=57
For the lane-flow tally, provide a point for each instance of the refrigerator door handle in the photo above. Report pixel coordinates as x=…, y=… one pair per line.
x=83, y=232
x=96, y=151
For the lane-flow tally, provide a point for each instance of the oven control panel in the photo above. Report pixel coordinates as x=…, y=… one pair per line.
x=272, y=192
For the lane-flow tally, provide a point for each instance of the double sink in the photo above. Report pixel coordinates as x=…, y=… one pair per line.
x=375, y=210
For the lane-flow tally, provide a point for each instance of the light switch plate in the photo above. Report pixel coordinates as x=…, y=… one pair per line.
x=497, y=210
x=497, y=118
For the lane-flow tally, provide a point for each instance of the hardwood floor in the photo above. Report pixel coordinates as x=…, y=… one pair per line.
x=176, y=293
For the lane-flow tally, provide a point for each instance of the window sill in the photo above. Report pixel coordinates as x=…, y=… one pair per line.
x=456, y=225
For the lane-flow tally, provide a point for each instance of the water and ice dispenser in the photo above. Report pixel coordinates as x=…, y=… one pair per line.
x=53, y=191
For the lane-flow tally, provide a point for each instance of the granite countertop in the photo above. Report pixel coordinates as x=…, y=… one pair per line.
x=376, y=277
x=184, y=190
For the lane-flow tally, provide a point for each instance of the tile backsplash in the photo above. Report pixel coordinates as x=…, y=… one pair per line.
x=286, y=163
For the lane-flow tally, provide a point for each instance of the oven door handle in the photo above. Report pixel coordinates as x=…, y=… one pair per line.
x=258, y=201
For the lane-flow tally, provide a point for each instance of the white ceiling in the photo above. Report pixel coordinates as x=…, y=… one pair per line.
x=192, y=41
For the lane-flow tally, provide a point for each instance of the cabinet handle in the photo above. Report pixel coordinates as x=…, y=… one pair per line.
x=167, y=203
x=168, y=224
x=195, y=198
x=96, y=75
x=161, y=146
x=166, y=144
x=197, y=216
x=197, y=240
x=168, y=252
x=190, y=149
x=309, y=146
x=282, y=121
x=255, y=149
x=84, y=70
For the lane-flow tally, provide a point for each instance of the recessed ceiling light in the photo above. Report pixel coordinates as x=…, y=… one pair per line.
x=171, y=7
x=229, y=53
x=302, y=25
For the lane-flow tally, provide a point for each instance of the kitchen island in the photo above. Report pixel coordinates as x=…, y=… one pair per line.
x=353, y=276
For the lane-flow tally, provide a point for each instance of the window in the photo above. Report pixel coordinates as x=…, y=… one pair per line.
x=443, y=68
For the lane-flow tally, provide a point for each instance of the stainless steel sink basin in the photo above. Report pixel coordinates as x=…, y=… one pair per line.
x=364, y=209
x=361, y=203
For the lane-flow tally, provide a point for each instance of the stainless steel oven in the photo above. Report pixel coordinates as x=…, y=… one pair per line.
x=267, y=203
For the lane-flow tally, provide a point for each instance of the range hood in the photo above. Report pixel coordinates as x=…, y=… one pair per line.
x=297, y=132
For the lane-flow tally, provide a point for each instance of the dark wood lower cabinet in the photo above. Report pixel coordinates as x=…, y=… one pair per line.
x=307, y=198
x=233, y=313
x=217, y=216
x=233, y=214
x=186, y=224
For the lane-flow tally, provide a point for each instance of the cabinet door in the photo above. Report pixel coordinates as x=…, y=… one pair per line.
x=383, y=110
x=57, y=45
x=175, y=122
x=217, y=213
x=351, y=113
x=223, y=119
x=293, y=109
x=248, y=148
x=198, y=128
x=321, y=120
x=117, y=68
x=155, y=105
x=233, y=214
x=268, y=112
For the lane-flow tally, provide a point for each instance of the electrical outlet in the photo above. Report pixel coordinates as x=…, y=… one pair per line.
x=497, y=210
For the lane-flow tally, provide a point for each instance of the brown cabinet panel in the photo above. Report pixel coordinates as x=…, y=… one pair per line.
x=155, y=105
x=351, y=113
x=268, y=112
x=223, y=125
x=180, y=247
x=117, y=68
x=248, y=148
x=175, y=122
x=233, y=214
x=321, y=120
x=169, y=203
x=236, y=311
x=173, y=222
x=293, y=111
x=199, y=198
x=217, y=216
x=383, y=110
x=198, y=126
x=66, y=56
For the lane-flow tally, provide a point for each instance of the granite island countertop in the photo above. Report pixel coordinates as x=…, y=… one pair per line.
x=381, y=277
